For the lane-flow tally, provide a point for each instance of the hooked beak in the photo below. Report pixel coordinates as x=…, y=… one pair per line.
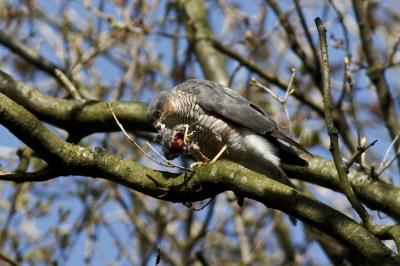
x=158, y=125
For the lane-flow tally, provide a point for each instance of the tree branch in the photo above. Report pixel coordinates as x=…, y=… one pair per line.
x=29, y=54
x=375, y=72
x=10, y=261
x=392, y=232
x=338, y=115
x=271, y=77
x=201, y=36
x=96, y=117
x=311, y=65
x=192, y=186
x=77, y=117
x=376, y=194
x=333, y=135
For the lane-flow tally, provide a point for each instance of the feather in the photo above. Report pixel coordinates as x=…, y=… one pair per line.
x=229, y=104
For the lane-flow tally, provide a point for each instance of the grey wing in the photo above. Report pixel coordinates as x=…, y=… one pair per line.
x=229, y=104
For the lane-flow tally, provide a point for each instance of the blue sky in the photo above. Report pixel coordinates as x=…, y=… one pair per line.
x=111, y=73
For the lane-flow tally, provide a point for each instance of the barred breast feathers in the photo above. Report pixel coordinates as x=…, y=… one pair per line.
x=212, y=131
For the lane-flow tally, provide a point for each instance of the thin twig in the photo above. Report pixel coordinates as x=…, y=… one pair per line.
x=333, y=135
x=243, y=238
x=204, y=205
x=345, y=47
x=283, y=101
x=254, y=67
x=289, y=91
x=68, y=84
x=307, y=32
x=385, y=166
x=376, y=72
x=168, y=164
x=253, y=50
x=111, y=20
x=39, y=44
x=6, y=258
x=254, y=82
x=388, y=150
x=310, y=65
x=389, y=60
x=358, y=153
x=165, y=160
x=27, y=53
x=349, y=80
x=261, y=243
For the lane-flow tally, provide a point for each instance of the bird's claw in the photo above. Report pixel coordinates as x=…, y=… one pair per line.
x=203, y=157
x=197, y=164
x=187, y=135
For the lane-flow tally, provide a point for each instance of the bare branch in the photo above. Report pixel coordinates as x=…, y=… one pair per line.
x=168, y=164
x=386, y=165
x=283, y=101
x=360, y=151
x=80, y=117
x=201, y=36
x=74, y=92
x=311, y=65
x=29, y=54
x=10, y=261
x=388, y=149
x=392, y=232
x=376, y=72
x=339, y=117
x=389, y=61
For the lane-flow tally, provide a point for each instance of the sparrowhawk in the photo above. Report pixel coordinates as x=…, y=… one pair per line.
x=218, y=117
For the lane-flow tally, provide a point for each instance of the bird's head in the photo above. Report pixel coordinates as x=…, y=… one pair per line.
x=160, y=106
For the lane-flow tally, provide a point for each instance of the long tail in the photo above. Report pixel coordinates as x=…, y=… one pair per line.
x=279, y=135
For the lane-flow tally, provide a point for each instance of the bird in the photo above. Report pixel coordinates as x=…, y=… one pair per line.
x=174, y=141
x=222, y=125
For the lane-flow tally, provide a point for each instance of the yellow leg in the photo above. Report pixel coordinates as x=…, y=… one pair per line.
x=206, y=160
x=219, y=153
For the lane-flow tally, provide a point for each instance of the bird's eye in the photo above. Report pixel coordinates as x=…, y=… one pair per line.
x=158, y=112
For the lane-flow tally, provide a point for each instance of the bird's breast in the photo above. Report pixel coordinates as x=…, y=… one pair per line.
x=212, y=131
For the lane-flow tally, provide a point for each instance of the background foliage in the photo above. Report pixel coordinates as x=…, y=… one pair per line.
x=126, y=51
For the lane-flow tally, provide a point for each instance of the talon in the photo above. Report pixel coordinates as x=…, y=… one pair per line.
x=205, y=159
x=196, y=164
x=186, y=135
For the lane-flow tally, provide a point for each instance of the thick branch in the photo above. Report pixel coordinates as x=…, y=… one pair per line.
x=389, y=232
x=375, y=72
x=78, y=117
x=200, y=36
x=96, y=117
x=375, y=194
x=193, y=186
